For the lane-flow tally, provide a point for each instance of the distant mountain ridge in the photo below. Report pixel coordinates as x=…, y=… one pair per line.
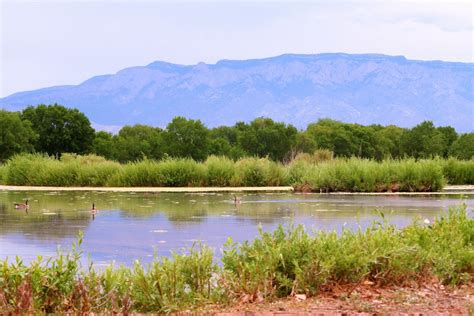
x=297, y=89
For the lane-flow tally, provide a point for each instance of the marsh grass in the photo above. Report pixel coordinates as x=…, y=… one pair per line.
x=220, y=171
x=258, y=172
x=458, y=171
x=276, y=264
x=317, y=173
x=71, y=170
x=3, y=174
x=363, y=175
x=168, y=173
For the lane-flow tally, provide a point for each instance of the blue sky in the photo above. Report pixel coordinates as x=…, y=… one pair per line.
x=46, y=43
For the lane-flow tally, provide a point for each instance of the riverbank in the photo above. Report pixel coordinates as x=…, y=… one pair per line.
x=447, y=190
x=366, y=299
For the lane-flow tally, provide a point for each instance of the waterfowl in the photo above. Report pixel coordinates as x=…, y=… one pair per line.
x=236, y=200
x=22, y=206
x=93, y=211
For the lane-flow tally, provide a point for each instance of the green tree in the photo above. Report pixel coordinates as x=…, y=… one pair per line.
x=335, y=136
x=16, y=135
x=423, y=141
x=304, y=143
x=263, y=137
x=104, y=145
x=224, y=141
x=138, y=142
x=449, y=136
x=60, y=129
x=463, y=147
x=389, y=142
x=187, y=138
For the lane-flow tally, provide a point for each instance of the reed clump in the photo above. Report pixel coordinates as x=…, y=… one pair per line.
x=3, y=174
x=458, y=171
x=276, y=264
x=220, y=171
x=70, y=170
x=319, y=172
x=363, y=175
x=167, y=172
x=258, y=172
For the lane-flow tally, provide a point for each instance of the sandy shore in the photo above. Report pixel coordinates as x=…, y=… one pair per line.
x=451, y=189
x=148, y=189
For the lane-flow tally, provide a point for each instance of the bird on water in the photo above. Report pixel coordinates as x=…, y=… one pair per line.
x=93, y=211
x=236, y=200
x=22, y=206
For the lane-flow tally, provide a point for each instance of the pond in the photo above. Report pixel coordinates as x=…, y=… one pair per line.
x=130, y=226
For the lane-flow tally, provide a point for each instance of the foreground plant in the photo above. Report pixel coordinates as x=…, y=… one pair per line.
x=277, y=264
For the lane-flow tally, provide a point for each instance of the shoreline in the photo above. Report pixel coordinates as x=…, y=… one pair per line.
x=447, y=190
x=150, y=189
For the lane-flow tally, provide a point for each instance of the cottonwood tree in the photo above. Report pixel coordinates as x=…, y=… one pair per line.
x=16, y=135
x=186, y=138
x=60, y=129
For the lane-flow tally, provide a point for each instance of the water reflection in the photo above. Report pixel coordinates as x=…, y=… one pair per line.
x=131, y=226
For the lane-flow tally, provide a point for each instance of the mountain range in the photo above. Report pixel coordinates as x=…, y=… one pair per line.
x=294, y=88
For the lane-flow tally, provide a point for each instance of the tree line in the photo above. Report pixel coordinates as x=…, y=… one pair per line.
x=55, y=129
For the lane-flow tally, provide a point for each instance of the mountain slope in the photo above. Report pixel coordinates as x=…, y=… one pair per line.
x=296, y=89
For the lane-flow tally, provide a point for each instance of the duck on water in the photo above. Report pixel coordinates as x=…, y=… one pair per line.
x=93, y=211
x=22, y=206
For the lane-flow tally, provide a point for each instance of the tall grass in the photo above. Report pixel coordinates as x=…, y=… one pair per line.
x=258, y=172
x=71, y=170
x=459, y=171
x=276, y=264
x=168, y=172
x=316, y=173
x=3, y=174
x=220, y=171
x=363, y=175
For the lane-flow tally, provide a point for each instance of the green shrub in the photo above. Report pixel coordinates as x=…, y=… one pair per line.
x=182, y=172
x=363, y=175
x=303, y=173
x=292, y=261
x=459, y=171
x=3, y=174
x=169, y=172
x=71, y=170
x=145, y=173
x=220, y=171
x=258, y=172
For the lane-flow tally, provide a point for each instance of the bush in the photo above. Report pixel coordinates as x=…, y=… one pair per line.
x=3, y=174
x=459, y=171
x=362, y=175
x=71, y=170
x=292, y=261
x=220, y=171
x=168, y=172
x=258, y=172
x=303, y=173
x=182, y=172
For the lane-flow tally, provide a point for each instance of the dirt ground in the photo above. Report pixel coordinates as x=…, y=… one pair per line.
x=366, y=299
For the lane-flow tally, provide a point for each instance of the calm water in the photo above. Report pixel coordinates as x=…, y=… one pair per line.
x=132, y=226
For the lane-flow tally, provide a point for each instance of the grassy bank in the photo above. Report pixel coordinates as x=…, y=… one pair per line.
x=277, y=264
x=303, y=173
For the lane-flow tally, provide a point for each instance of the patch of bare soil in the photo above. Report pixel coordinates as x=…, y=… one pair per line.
x=366, y=299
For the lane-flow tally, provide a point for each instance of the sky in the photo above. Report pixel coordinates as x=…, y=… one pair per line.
x=48, y=43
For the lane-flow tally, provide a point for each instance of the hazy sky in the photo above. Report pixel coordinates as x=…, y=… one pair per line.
x=45, y=43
